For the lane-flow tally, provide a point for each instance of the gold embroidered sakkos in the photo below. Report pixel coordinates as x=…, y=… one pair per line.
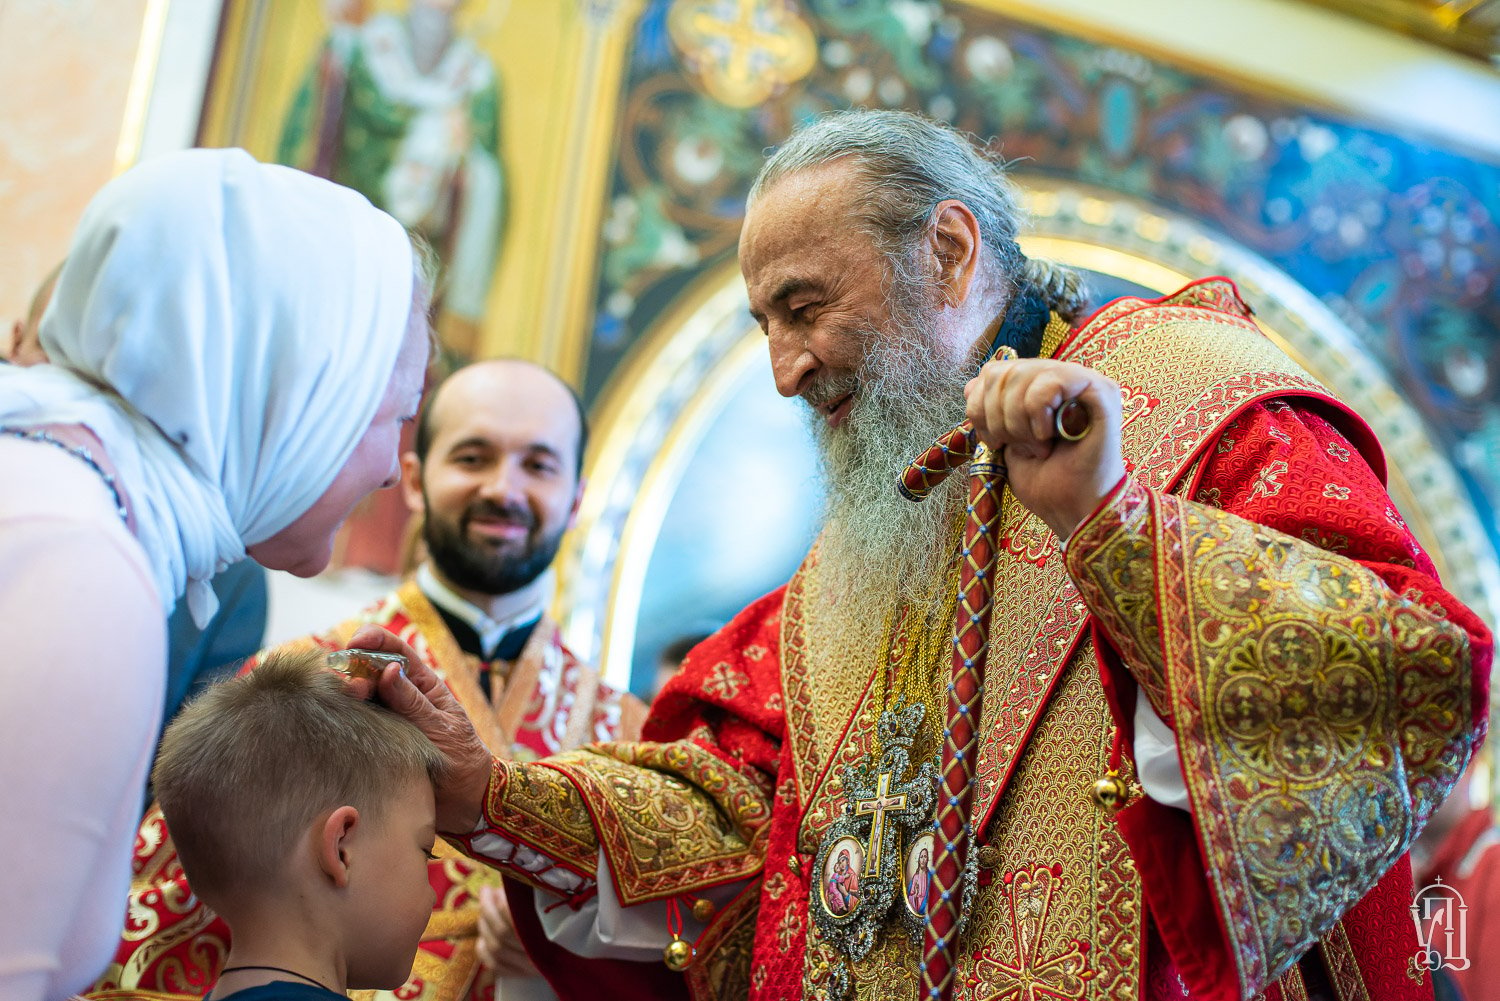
x=1061, y=903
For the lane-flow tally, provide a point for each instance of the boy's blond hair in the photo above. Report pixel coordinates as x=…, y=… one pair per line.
x=247, y=766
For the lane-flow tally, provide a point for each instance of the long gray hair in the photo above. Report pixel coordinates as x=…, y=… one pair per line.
x=909, y=165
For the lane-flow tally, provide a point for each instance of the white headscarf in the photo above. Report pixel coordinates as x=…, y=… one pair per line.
x=227, y=329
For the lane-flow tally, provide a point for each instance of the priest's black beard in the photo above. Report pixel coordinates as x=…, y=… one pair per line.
x=474, y=567
x=877, y=546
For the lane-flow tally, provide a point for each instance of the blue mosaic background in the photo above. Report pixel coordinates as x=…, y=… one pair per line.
x=1398, y=236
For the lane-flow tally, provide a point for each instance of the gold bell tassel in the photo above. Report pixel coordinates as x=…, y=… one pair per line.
x=679, y=953
x=1110, y=792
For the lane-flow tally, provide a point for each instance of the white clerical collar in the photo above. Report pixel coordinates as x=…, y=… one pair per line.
x=490, y=631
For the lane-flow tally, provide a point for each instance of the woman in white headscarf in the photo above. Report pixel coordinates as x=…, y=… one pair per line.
x=233, y=349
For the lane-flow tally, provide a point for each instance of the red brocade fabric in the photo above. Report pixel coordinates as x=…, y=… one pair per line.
x=1288, y=468
x=729, y=690
x=1283, y=464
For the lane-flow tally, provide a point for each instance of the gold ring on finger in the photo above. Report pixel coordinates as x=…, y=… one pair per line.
x=1071, y=421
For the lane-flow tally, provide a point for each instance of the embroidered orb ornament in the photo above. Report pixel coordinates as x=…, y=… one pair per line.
x=1109, y=793
x=703, y=910
x=679, y=955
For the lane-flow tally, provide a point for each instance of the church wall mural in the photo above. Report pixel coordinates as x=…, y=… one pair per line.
x=1398, y=238
x=443, y=112
x=402, y=102
x=601, y=149
x=1401, y=238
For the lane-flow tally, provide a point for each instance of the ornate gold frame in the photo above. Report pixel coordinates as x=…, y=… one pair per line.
x=541, y=303
x=654, y=413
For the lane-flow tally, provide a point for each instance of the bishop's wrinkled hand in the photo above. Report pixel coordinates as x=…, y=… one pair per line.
x=418, y=694
x=1013, y=406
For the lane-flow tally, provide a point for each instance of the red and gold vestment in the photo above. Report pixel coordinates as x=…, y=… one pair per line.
x=546, y=701
x=1250, y=578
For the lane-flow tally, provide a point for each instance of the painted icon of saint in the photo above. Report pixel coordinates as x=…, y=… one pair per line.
x=403, y=107
x=917, y=884
x=843, y=885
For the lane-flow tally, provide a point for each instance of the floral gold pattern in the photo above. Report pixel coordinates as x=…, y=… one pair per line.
x=1311, y=755
x=671, y=817
x=658, y=811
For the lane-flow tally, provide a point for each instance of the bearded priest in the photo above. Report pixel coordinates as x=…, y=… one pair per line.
x=1158, y=698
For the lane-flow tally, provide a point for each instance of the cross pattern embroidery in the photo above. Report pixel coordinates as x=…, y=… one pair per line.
x=879, y=804
x=743, y=50
x=724, y=680
x=1030, y=975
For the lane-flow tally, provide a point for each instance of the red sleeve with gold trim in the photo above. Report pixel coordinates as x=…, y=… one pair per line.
x=716, y=733
x=683, y=810
x=1326, y=692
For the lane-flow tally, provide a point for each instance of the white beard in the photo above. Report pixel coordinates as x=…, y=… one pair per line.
x=878, y=549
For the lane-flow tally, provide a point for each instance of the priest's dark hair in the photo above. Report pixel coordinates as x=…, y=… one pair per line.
x=425, y=431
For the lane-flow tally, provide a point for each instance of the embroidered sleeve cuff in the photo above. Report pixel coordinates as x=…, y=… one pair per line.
x=1105, y=502
x=503, y=840
x=1319, y=717
x=1112, y=558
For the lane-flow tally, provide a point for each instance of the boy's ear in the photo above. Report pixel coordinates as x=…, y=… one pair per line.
x=333, y=844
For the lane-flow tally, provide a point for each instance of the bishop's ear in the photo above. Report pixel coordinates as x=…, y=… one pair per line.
x=953, y=245
x=333, y=848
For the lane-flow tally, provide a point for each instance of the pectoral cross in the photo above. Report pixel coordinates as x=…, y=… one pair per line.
x=882, y=802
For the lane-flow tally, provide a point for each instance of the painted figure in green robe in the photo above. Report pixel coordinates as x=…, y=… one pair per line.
x=404, y=109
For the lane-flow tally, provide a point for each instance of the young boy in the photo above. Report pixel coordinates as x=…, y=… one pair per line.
x=304, y=817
